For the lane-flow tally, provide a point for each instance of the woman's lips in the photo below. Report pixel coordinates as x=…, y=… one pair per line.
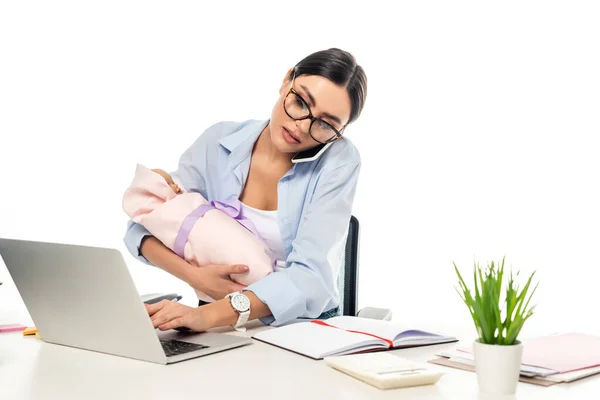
x=289, y=137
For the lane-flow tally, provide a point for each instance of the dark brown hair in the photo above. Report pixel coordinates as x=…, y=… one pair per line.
x=341, y=68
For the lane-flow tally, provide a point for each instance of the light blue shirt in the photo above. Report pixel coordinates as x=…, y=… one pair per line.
x=314, y=208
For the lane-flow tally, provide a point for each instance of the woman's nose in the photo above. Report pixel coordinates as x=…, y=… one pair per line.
x=303, y=125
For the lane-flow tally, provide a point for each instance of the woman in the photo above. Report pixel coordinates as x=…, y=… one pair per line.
x=300, y=202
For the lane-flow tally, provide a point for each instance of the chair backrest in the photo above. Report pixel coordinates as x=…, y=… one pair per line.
x=348, y=277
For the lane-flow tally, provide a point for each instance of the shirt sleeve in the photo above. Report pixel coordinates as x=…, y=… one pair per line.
x=307, y=285
x=190, y=172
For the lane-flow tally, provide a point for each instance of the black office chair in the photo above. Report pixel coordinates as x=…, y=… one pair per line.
x=348, y=277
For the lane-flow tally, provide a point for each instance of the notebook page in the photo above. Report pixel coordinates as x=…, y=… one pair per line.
x=417, y=336
x=384, y=329
x=388, y=330
x=316, y=341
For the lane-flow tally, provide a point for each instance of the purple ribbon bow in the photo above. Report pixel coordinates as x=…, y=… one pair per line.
x=231, y=208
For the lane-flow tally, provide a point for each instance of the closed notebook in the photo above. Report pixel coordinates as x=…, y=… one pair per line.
x=562, y=353
x=346, y=335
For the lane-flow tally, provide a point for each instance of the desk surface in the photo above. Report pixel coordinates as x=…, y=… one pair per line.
x=33, y=369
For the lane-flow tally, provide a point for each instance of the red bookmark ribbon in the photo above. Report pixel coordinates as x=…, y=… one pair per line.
x=320, y=322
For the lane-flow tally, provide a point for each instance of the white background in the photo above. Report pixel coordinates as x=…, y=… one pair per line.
x=478, y=138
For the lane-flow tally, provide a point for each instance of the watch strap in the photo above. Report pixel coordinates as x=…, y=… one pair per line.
x=242, y=319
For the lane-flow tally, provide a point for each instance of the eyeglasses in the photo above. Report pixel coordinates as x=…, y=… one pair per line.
x=297, y=109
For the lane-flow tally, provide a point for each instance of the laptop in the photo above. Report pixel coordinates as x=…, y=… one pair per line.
x=85, y=297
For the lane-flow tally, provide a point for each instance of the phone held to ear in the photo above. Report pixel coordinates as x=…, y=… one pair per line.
x=310, y=154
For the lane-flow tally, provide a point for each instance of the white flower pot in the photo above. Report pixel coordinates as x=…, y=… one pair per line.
x=497, y=367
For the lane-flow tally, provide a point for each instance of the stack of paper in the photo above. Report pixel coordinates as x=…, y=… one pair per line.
x=546, y=360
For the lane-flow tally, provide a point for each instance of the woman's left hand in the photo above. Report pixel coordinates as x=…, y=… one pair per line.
x=168, y=314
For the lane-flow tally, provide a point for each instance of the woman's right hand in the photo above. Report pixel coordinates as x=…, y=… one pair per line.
x=214, y=280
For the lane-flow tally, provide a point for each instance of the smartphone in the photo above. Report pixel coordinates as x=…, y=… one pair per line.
x=310, y=154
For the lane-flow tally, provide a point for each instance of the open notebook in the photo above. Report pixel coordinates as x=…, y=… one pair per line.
x=346, y=335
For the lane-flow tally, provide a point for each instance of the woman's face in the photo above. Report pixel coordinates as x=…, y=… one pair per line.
x=324, y=99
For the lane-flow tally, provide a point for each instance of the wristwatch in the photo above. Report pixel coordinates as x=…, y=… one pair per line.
x=240, y=303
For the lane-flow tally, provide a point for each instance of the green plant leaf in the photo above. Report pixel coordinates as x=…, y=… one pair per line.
x=486, y=307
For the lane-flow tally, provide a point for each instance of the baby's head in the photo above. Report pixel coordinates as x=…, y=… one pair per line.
x=169, y=179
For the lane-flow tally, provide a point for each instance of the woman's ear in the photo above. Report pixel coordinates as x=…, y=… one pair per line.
x=286, y=81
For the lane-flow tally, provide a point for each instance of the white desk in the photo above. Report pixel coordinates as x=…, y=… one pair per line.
x=33, y=369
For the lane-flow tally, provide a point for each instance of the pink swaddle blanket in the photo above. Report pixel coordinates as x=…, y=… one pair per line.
x=199, y=231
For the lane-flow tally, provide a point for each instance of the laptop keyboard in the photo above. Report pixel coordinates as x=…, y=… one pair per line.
x=176, y=347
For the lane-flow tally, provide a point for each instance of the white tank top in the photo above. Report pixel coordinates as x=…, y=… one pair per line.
x=266, y=225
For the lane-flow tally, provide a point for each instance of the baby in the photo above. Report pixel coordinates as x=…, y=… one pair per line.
x=201, y=232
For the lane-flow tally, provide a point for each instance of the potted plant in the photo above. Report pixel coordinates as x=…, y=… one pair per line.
x=499, y=312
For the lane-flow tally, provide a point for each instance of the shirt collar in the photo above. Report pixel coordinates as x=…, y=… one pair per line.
x=245, y=137
x=240, y=145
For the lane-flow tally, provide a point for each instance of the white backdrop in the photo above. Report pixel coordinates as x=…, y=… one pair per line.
x=478, y=136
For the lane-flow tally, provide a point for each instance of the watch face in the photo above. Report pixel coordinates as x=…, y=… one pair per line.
x=240, y=302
